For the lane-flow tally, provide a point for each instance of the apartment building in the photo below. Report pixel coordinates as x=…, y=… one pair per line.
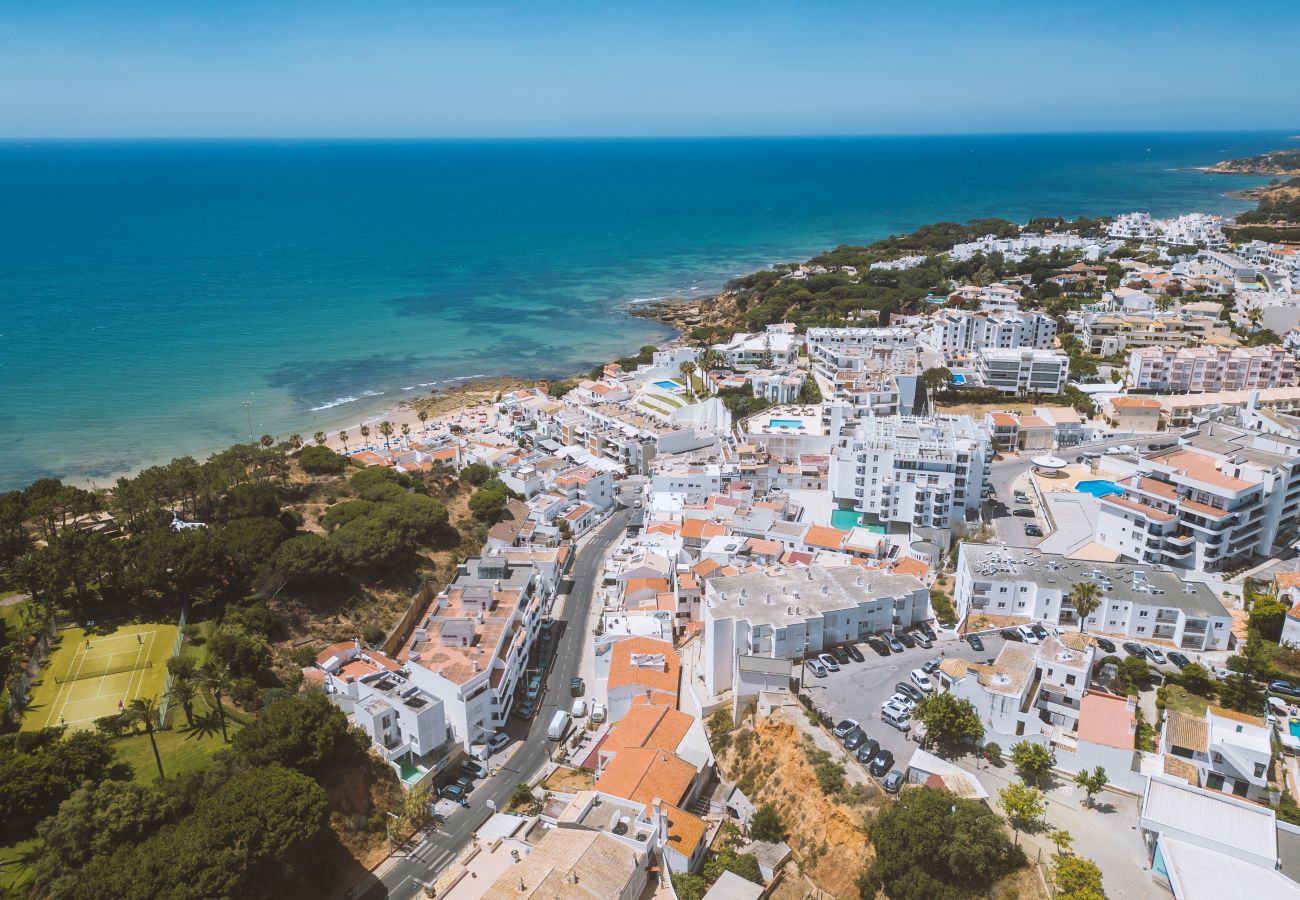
x=924, y=472
x=1186, y=230
x=959, y=334
x=1229, y=492
x=1030, y=690
x=625, y=437
x=1110, y=335
x=790, y=612
x=693, y=481
x=587, y=485
x=470, y=650
x=778, y=345
x=1022, y=371
x=1140, y=602
x=405, y=724
x=1229, y=751
x=777, y=385
x=837, y=349
x=1199, y=369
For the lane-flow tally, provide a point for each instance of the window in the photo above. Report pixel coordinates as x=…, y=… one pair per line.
x=1069, y=679
x=1214, y=781
x=1260, y=769
x=1142, y=614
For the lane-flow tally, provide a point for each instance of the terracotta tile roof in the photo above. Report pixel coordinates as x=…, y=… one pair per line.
x=624, y=669
x=762, y=547
x=702, y=529
x=1287, y=579
x=705, y=567
x=1134, y=403
x=1220, y=713
x=685, y=831
x=649, y=726
x=909, y=566
x=824, y=536
x=645, y=584
x=663, y=528
x=643, y=775
x=1182, y=730
x=1151, y=513
x=1202, y=468
x=1180, y=768
x=1003, y=419
x=1107, y=719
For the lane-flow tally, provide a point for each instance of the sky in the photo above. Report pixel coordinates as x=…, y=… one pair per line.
x=506, y=68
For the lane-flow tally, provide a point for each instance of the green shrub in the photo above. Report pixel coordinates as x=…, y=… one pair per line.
x=317, y=460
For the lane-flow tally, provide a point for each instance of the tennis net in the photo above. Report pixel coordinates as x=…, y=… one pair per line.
x=90, y=669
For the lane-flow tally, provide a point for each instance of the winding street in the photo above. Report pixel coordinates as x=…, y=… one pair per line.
x=403, y=874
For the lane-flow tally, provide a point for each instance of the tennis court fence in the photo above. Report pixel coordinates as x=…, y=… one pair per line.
x=20, y=686
x=165, y=706
x=91, y=670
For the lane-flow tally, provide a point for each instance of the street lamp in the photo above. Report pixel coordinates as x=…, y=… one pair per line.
x=248, y=410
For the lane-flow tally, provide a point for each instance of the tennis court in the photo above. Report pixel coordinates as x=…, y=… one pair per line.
x=89, y=675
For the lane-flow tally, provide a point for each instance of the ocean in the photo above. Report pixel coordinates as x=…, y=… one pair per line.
x=148, y=289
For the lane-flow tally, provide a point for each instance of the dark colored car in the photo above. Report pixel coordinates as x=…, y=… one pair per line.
x=1278, y=686
x=1032, y=530
x=576, y=687
x=454, y=793
x=931, y=666
x=909, y=690
x=883, y=762
x=1133, y=649
x=1039, y=631
x=893, y=643
x=853, y=740
x=925, y=629
x=893, y=782
x=824, y=717
x=1010, y=634
x=906, y=639
x=1024, y=513
x=867, y=752
x=854, y=653
x=841, y=655
x=878, y=645
x=976, y=643
x=1178, y=659
x=473, y=769
x=922, y=640
x=1105, y=645
x=524, y=710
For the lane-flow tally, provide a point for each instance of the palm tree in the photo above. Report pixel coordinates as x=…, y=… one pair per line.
x=424, y=419
x=145, y=709
x=296, y=440
x=266, y=441
x=1085, y=597
x=406, y=434
x=319, y=438
x=386, y=429
x=183, y=691
x=215, y=678
x=365, y=432
x=688, y=369
x=343, y=437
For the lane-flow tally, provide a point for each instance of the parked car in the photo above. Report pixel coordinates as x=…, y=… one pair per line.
x=883, y=762
x=498, y=742
x=454, y=793
x=1032, y=530
x=893, y=643
x=1133, y=649
x=844, y=727
x=878, y=645
x=867, y=752
x=579, y=708
x=1106, y=645
x=1027, y=634
x=1155, y=655
x=893, y=782
x=1011, y=634
x=976, y=643
x=925, y=629
x=1021, y=498
x=902, y=701
x=853, y=740
x=922, y=680
x=816, y=668
x=841, y=655
x=1024, y=513
x=1039, y=631
x=829, y=662
x=824, y=717
x=896, y=717
x=473, y=769
x=534, y=688
x=906, y=639
x=922, y=640
x=1278, y=686
x=909, y=690
x=854, y=653
x=598, y=712
x=576, y=687
x=1178, y=659
x=930, y=666
x=525, y=709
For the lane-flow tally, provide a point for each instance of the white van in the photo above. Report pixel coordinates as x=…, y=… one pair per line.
x=893, y=715
x=559, y=725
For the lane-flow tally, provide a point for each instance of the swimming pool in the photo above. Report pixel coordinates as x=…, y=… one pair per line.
x=958, y=379
x=784, y=423
x=1293, y=726
x=669, y=385
x=1099, y=487
x=846, y=519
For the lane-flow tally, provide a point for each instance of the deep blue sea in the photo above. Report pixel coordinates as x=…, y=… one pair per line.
x=147, y=289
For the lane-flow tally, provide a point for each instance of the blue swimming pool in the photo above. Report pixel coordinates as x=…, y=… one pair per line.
x=668, y=385
x=1293, y=726
x=958, y=379
x=1098, y=487
x=784, y=423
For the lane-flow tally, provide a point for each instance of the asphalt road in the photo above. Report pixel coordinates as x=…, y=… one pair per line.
x=426, y=855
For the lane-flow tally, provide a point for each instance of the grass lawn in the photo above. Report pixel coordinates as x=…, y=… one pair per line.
x=12, y=615
x=14, y=874
x=79, y=702
x=182, y=750
x=1179, y=699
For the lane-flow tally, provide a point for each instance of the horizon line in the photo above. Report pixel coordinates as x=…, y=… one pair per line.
x=628, y=137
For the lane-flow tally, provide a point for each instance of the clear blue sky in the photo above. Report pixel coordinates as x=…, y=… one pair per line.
x=78, y=68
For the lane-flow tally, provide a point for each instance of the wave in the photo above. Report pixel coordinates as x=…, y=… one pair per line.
x=372, y=393
x=333, y=403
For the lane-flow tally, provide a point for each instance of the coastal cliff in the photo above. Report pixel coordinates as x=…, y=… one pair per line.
x=1276, y=162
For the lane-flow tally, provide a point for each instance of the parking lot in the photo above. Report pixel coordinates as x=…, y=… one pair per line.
x=858, y=690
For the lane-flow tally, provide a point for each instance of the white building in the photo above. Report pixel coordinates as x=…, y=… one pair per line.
x=1230, y=751
x=925, y=472
x=777, y=346
x=1196, y=369
x=1139, y=602
x=834, y=349
x=1022, y=371
x=958, y=334
x=792, y=612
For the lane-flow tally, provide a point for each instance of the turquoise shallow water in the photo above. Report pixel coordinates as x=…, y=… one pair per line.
x=147, y=289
